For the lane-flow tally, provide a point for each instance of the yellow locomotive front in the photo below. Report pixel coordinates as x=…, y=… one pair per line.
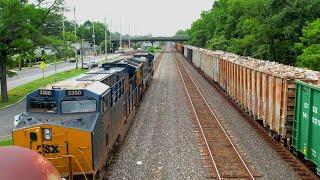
x=60, y=122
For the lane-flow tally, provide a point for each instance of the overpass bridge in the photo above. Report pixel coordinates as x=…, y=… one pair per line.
x=151, y=39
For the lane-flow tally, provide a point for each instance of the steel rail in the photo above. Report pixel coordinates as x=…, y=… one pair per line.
x=198, y=121
x=220, y=125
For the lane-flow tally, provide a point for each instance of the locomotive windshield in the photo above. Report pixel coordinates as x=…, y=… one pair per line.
x=42, y=106
x=78, y=106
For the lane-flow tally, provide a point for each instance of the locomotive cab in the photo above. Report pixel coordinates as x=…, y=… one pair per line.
x=59, y=123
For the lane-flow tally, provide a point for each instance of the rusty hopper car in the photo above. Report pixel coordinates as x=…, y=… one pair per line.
x=263, y=93
x=179, y=48
x=75, y=123
x=266, y=90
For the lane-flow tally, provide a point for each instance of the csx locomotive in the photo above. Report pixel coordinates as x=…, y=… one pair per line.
x=76, y=123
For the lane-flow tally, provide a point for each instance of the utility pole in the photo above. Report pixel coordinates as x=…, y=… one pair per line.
x=75, y=36
x=129, y=38
x=63, y=36
x=81, y=53
x=63, y=27
x=105, y=39
x=94, y=38
x=110, y=35
x=120, y=36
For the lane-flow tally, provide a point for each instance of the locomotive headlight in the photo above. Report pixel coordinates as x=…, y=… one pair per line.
x=47, y=134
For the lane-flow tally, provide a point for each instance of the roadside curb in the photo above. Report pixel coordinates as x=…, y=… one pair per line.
x=10, y=105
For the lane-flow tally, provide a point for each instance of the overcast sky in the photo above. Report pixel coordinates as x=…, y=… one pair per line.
x=156, y=17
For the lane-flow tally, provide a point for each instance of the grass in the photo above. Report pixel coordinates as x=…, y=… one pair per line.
x=7, y=142
x=18, y=93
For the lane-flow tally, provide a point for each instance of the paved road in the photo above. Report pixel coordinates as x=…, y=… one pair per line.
x=27, y=75
x=7, y=117
x=31, y=74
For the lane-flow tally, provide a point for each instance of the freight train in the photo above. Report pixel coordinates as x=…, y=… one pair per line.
x=76, y=123
x=283, y=98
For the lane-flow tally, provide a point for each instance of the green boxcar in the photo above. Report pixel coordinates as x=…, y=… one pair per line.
x=306, y=127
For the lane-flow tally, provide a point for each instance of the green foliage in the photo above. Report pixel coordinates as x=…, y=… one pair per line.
x=65, y=51
x=266, y=29
x=69, y=36
x=20, y=32
x=18, y=26
x=102, y=45
x=151, y=49
x=310, y=46
x=181, y=33
x=310, y=57
x=6, y=142
x=135, y=46
x=86, y=31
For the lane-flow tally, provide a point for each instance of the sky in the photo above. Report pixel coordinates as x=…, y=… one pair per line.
x=140, y=17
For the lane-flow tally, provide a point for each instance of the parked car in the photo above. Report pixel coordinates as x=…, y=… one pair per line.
x=87, y=65
x=94, y=64
x=72, y=60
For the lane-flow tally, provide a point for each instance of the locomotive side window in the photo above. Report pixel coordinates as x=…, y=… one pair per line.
x=78, y=106
x=43, y=106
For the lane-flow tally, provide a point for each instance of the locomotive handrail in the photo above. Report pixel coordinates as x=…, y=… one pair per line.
x=116, y=91
x=70, y=156
x=79, y=149
x=148, y=72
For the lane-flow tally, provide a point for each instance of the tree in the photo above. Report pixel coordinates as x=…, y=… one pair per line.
x=20, y=25
x=86, y=31
x=265, y=29
x=181, y=33
x=309, y=47
x=102, y=45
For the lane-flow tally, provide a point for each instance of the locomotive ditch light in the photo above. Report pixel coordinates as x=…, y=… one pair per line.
x=47, y=134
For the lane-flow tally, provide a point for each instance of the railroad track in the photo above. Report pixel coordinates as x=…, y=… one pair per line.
x=225, y=161
x=299, y=167
x=157, y=61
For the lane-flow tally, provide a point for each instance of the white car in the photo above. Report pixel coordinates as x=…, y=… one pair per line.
x=87, y=65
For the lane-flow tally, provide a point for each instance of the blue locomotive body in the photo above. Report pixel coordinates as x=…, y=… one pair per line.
x=93, y=112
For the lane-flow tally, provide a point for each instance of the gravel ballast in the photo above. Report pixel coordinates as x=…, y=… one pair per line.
x=160, y=144
x=262, y=157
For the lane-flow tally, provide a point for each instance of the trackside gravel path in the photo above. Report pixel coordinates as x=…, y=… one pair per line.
x=160, y=143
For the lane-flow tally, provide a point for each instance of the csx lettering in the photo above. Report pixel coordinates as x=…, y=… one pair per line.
x=49, y=149
x=306, y=105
